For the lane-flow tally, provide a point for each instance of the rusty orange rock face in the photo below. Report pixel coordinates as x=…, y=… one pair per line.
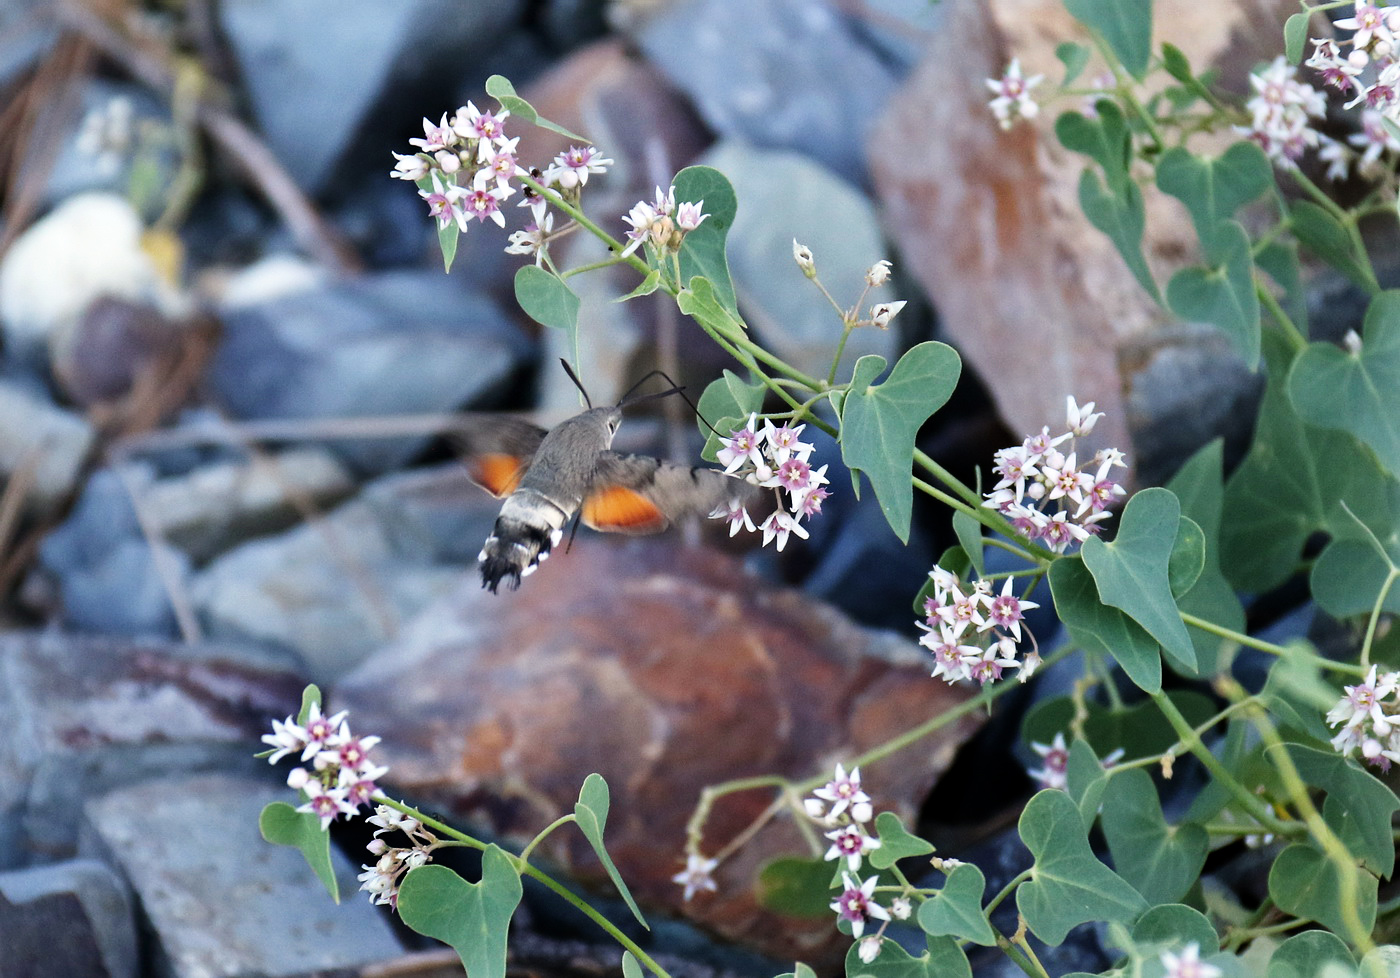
x=666, y=670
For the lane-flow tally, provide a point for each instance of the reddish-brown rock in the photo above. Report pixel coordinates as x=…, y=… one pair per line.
x=989, y=222
x=666, y=670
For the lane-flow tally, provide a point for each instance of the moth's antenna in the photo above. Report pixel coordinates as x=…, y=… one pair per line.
x=577, y=383
x=626, y=398
x=674, y=389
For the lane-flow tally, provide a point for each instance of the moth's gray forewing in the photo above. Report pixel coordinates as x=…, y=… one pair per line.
x=481, y=434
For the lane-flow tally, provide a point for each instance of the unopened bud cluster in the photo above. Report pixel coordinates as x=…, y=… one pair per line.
x=663, y=224
x=1044, y=491
x=381, y=881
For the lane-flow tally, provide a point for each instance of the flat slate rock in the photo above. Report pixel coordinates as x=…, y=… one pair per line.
x=85, y=902
x=221, y=901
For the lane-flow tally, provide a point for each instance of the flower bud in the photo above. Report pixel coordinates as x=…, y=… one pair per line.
x=298, y=778
x=869, y=948
x=879, y=273
x=803, y=256
x=882, y=312
x=1352, y=342
x=448, y=161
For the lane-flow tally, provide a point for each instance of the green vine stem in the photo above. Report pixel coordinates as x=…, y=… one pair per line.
x=1259, y=811
x=526, y=869
x=1335, y=850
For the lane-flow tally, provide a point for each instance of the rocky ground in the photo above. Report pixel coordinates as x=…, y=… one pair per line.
x=220, y=414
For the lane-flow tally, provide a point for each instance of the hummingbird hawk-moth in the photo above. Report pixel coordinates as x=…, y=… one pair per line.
x=548, y=477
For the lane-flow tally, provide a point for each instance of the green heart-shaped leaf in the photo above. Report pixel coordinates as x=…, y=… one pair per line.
x=1160, y=861
x=283, y=825
x=1104, y=138
x=548, y=301
x=1213, y=189
x=1309, y=954
x=956, y=910
x=1305, y=883
x=879, y=423
x=474, y=918
x=1068, y=886
x=1222, y=293
x=591, y=811
x=895, y=842
x=1349, y=575
x=1126, y=25
x=1358, y=393
x=702, y=250
x=1173, y=925
x=1102, y=630
x=1131, y=572
x=1291, y=485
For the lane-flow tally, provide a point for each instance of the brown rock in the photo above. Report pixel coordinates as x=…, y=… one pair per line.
x=1035, y=297
x=666, y=670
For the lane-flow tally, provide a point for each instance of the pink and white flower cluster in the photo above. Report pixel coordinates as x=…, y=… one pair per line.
x=381, y=881
x=973, y=633
x=1369, y=718
x=773, y=458
x=1282, y=111
x=1048, y=495
x=465, y=167
x=843, y=807
x=1366, y=70
x=663, y=224
x=341, y=777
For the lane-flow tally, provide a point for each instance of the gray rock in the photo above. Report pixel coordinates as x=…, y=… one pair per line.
x=789, y=74
x=336, y=589
x=81, y=715
x=218, y=505
x=394, y=343
x=1192, y=389
x=35, y=432
x=220, y=900
x=341, y=59
x=85, y=902
x=783, y=196
x=109, y=577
